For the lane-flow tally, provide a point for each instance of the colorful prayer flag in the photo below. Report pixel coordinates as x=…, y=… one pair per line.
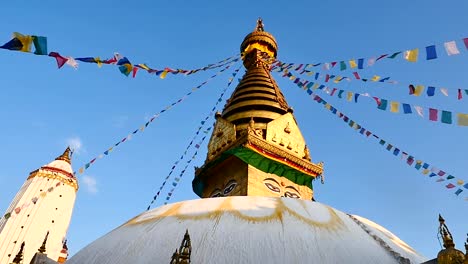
x=14, y=44
x=60, y=60
x=407, y=109
x=446, y=117
x=418, y=90
x=352, y=64
x=460, y=95
x=342, y=65
x=26, y=40
x=349, y=96
x=383, y=104
x=450, y=186
x=40, y=45
x=433, y=114
x=394, y=107
x=419, y=110
x=444, y=91
x=412, y=55
x=361, y=63
x=430, y=91
x=431, y=52
x=462, y=119
x=451, y=48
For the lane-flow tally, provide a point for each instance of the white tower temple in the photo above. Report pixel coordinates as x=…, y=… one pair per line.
x=44, y=204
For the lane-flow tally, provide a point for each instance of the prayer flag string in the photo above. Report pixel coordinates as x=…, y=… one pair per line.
x=435, y=115
x=432, y=52
x=202, y=124
x=33, y=201
x=450, y=181
x=415, y=90
x=142, y=128
x=279, y=66
x=24, y=43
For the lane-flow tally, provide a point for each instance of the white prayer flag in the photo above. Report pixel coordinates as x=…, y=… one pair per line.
x=419, y=110
x=451, y=48
x=371, y=61
x=444, y=91
x=72, y=62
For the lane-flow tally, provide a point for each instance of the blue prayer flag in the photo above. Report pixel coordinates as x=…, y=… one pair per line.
x=430, y=91
x=407, y=109
x=431, y=52
x=361, y=64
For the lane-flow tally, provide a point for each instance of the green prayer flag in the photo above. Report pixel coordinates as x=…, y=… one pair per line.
x=342, y=65
x=383, y=104
x=340, y=93
x=394, y=55
x=446, y=117
x=40, y=44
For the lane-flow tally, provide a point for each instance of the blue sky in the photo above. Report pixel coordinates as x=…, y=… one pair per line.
x=44, y=108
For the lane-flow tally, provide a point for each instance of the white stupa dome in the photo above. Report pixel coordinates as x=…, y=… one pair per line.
x=248, y=229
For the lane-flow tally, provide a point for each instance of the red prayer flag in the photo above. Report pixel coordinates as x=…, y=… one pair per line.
x=460, y=95
x=377, y=100
x=60, y=60
x=333, y=64
x=381, y=57
x=433, y=114
x=450, y=186
x=356, y=75
x=333, y=91
x=134, y=71
x=411, y=89
x=465, y=40
x=327, y=77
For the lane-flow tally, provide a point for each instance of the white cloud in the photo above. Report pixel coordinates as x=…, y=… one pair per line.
x=75, y=144
x=90, y=183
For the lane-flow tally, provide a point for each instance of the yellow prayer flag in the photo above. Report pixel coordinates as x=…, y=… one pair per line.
x=142, y=128
x=144, y=66
x=292, y=77
x=462, y=119
x=98, y=61
x=26, y=40
x=418, y=89
x=349, y=96
x=352, y=64
x=328, y=106
x=81, y=170
x=315, y=86
x=394, y=107
x=460, y=182
x=375, y=78
x=425, y=171
x=412, y=55
x=337, y=79
x=310, y=73
x=163, y=74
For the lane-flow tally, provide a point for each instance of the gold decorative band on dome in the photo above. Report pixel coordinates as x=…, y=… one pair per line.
x=55, y=176
x=276, y=210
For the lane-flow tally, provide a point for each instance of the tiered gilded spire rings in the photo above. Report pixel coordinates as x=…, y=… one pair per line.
x=448, y=255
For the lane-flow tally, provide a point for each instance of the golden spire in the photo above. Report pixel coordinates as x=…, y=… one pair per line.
x=175, y=257
x=182, y=255
x=449, y=255
x=42, y=249
x=19, y=257
x=65, y=156
x=185, y=249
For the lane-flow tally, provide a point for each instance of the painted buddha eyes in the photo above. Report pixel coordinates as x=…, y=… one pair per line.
x=216, y=193
x=272, y=187
x=291, y=195
x=229, y=187
x=275, y=187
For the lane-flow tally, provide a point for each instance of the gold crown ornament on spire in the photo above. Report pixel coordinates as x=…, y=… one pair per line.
x=448, y=255
x=259, y=45
x=66, y=156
